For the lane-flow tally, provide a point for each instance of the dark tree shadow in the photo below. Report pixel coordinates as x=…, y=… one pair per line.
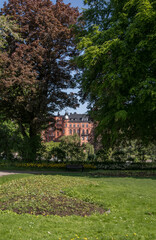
x=89, y=174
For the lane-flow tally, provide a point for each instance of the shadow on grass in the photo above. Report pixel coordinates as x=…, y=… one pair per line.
x=119, y=174
x=90, y=174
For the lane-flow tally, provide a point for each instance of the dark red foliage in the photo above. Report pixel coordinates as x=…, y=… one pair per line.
x=36, y=70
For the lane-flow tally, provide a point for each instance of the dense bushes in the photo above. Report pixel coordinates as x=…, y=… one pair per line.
x=69, y=149
x=125, y=165
x=128, y=151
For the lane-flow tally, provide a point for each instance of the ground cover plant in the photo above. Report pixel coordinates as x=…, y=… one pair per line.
x=44, y=195
x=130, y=205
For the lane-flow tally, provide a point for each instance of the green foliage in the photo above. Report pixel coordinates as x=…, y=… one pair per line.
x=133, y=151
x=58, y=154
x=117, y=59
x=49, y=149
x=72, y=148
x=15, y=146
x=9, y=139
x=30, y=149
x=89, y=149
x=50, y=145
x=103, y=155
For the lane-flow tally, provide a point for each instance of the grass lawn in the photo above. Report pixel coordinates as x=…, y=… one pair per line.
x=128, y=204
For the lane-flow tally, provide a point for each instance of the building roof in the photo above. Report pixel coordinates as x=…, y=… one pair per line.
x=78, y=117
x=75, y=117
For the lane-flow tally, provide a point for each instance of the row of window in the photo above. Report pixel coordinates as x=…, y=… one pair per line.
x=78, y=131
x=76, y=125
x=83, y=132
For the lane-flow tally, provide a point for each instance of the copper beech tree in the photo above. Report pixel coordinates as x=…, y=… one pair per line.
x=36, y=70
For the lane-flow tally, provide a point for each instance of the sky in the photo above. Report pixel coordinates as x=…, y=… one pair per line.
x=74, y=3
x=79, y=4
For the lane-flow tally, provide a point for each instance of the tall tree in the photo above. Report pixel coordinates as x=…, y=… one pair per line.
x=37, y=71
x=119, y=68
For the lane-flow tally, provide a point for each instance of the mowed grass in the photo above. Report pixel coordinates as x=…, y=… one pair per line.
x=130, y=205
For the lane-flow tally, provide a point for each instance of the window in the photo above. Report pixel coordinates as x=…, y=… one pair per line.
x=70, y=125
x=82, y=125
x=57, y=133
x=87, y=131
x=86, y=125
x=77, y=125
x=87, y=138
x=65, y=125
x=74, y=125
x=74, y=131
x=70, y=131
x=83, y=138
x=83, y=132
x=78, y=131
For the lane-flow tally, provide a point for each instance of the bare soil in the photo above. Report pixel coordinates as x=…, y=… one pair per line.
x=59, y=205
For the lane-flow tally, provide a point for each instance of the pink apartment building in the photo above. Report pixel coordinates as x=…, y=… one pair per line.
x=69, y=124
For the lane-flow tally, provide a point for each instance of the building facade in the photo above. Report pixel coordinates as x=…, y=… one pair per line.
x=69, y=124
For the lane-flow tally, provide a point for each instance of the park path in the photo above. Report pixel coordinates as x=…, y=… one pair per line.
x=4, y=173
x=9, y=172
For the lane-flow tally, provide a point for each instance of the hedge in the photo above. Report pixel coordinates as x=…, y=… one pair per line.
x=87, y=165
x=95, y=165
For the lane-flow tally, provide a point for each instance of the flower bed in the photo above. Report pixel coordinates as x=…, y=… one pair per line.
x=50, y=165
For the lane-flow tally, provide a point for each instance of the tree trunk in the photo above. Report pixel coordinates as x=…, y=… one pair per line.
x=30, y=145
x=33, y=143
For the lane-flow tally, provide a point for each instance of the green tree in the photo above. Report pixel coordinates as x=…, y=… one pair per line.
x=10, y=139
x=49, y=149
x=89, y=150
x=72, y=148
x=118, y=63
x=37, y=71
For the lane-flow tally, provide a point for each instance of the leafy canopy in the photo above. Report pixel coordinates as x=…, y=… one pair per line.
x=36, y=71
x=118, y=63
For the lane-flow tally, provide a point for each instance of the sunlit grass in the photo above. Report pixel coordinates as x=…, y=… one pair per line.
x=132, y=204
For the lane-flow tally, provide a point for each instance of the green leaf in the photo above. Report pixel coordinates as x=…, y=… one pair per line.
x=121, y=115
